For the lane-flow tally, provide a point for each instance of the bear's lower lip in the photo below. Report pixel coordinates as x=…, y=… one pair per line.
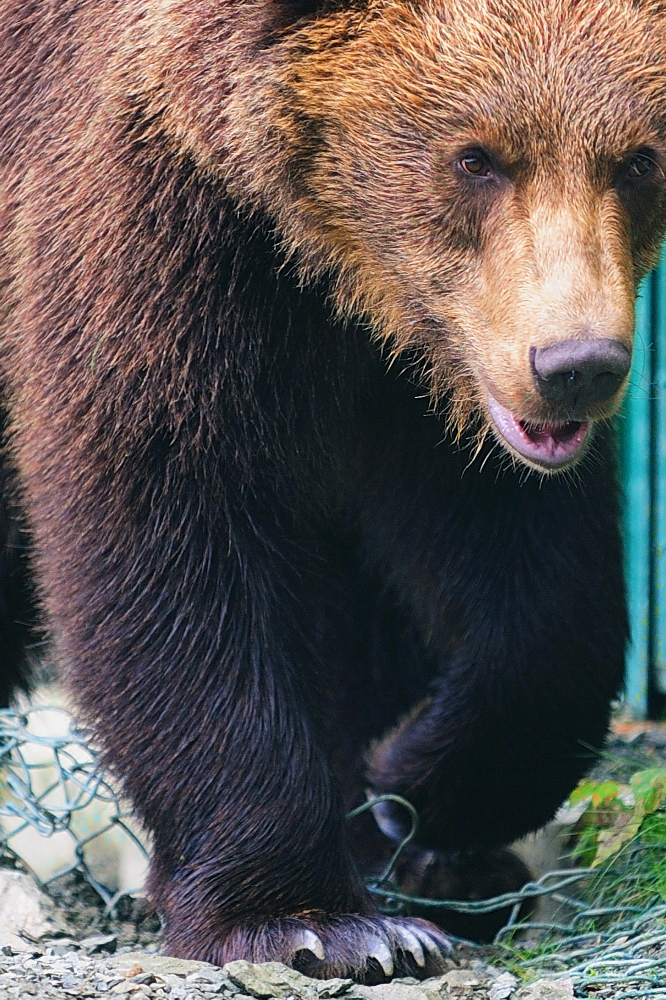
x=548, y=446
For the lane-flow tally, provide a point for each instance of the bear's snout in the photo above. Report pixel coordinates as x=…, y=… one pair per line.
x=573, y=376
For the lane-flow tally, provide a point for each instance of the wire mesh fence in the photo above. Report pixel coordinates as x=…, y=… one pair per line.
x=607, y=946
x=53, y=786
x=60, y=812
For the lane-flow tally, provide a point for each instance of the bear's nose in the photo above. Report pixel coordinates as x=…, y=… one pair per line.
x=573, y=375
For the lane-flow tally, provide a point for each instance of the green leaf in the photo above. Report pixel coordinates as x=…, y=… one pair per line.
x=650, y=788
x=624, y=829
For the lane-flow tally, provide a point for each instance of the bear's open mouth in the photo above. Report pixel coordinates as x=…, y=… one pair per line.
x=546, y=445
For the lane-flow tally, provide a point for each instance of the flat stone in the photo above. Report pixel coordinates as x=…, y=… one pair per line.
x=332, y=987
x=159, y=965
x=548, y=989
x=460, y=977
x=272, y=979
x=27, y=915
x=142, y=978
x=396, y=991
x=60, y=945
x=212, y=975
x=99, y=942
x=504, y=986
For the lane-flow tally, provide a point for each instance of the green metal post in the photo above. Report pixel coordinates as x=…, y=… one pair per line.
x=637, y=460
x=658, y=597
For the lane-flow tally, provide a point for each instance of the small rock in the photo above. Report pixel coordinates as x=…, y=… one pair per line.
x=60, y=945
x=503, y=987
x=485, y=971
x=142, y=978
x=99, y=942
x=209, y=982
x=460, y=977
x=330, y=988
x=26, y=913
x=272, y=979
x=549, y=989
x=175, y=985
x=212, y=975
x=434, y=985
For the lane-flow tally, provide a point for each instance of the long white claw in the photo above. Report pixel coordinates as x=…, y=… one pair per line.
x=411, y=944
x=307, y=940
x=438, y=945
x=380, y=950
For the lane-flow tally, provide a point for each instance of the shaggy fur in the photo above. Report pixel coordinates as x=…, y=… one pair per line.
x=253, y=307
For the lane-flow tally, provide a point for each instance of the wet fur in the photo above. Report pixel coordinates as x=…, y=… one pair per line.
x=274, y=577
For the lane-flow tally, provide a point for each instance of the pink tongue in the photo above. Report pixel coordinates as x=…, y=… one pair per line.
x=548, y=445
x=548, y=435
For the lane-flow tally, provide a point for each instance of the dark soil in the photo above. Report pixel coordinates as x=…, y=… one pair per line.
x=132, y=922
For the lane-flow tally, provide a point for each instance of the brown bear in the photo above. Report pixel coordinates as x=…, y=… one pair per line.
x=314, y=317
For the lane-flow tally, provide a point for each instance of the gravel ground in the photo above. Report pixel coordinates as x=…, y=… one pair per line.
x=140, y=974
x=65, y=945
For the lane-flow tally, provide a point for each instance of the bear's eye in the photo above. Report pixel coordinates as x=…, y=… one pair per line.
x=475, y=163
x=640, y=165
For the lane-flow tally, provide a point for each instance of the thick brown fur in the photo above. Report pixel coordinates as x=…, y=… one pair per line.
x=253, y=311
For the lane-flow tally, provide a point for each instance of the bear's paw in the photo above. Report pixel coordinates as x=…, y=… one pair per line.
x=366, y=949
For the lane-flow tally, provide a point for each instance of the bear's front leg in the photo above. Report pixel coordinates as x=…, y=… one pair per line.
x=250, y=850
x=520, y=586
x=205, y=716
x=189, y=664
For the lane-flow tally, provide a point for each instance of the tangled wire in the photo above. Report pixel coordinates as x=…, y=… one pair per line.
x=616, y=951
x=52, y=784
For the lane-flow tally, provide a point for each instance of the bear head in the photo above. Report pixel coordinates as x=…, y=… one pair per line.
x=483, y=184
